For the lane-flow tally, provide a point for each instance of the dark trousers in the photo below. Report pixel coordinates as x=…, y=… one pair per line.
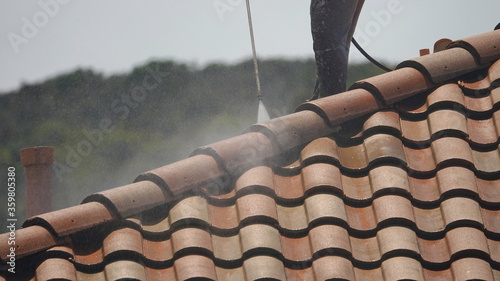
x=332, y=26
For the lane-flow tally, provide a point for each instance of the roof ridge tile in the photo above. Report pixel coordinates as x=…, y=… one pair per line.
x=344, y=106
x=396, y=85
x=188, y=174
x=484, y=47
x=293, y=130
x=442, y=66
x=73, y=219
x=236, y=154
x=130, y=199
x=31, y=240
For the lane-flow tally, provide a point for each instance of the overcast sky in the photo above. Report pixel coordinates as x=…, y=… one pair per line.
x=40, y=39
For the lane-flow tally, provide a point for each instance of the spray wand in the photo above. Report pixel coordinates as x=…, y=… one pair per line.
x=262, y=114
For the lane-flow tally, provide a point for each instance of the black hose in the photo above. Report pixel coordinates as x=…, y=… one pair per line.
x=374, y=61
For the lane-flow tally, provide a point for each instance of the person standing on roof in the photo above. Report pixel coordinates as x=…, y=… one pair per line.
x=332, y=27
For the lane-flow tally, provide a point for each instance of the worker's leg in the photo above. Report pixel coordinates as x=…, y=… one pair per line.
x=332, y=25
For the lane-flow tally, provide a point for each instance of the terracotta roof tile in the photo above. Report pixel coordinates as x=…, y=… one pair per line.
x=420, y=160
x=366, y=250
x=483, y=46
x=282, y=185
x=331, y=237
x=155, y=250
x=389, y=177
x=404, y=191
x=125, y=269
x=444, y=120
x=194, y=266
x=293, y=218
x=444, y=65
x=396, y=85
x=345, y=106
x=130, y=199
x=236, y=154
x=333, y=267
x=33, y=239
x=382, y=146
x=65, y=268
x=195, y=209
x=442, y=44
x=254, y=205
x=323, y=206
x=393, y=206
x=488, y=192
x=227, y=248
x=125, y=239
x=372, y=274
x=223, y=217
x=482, y=132
x=357, y=188
x=293, y=130
x=321, y=174
x=264, y=267
x=402, y=268
x=471, y=268
x=361, y=220
x=295, y=251
x=491, y=224
x=487, y=161
x=416, y=131
x=191, y=238
x=152, y=274
x=434, y=251
x=72, y=219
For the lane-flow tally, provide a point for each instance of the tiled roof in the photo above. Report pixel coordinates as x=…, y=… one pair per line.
x=398, y=178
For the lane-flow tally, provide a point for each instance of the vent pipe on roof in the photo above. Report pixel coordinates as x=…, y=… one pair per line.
x=37, y=162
